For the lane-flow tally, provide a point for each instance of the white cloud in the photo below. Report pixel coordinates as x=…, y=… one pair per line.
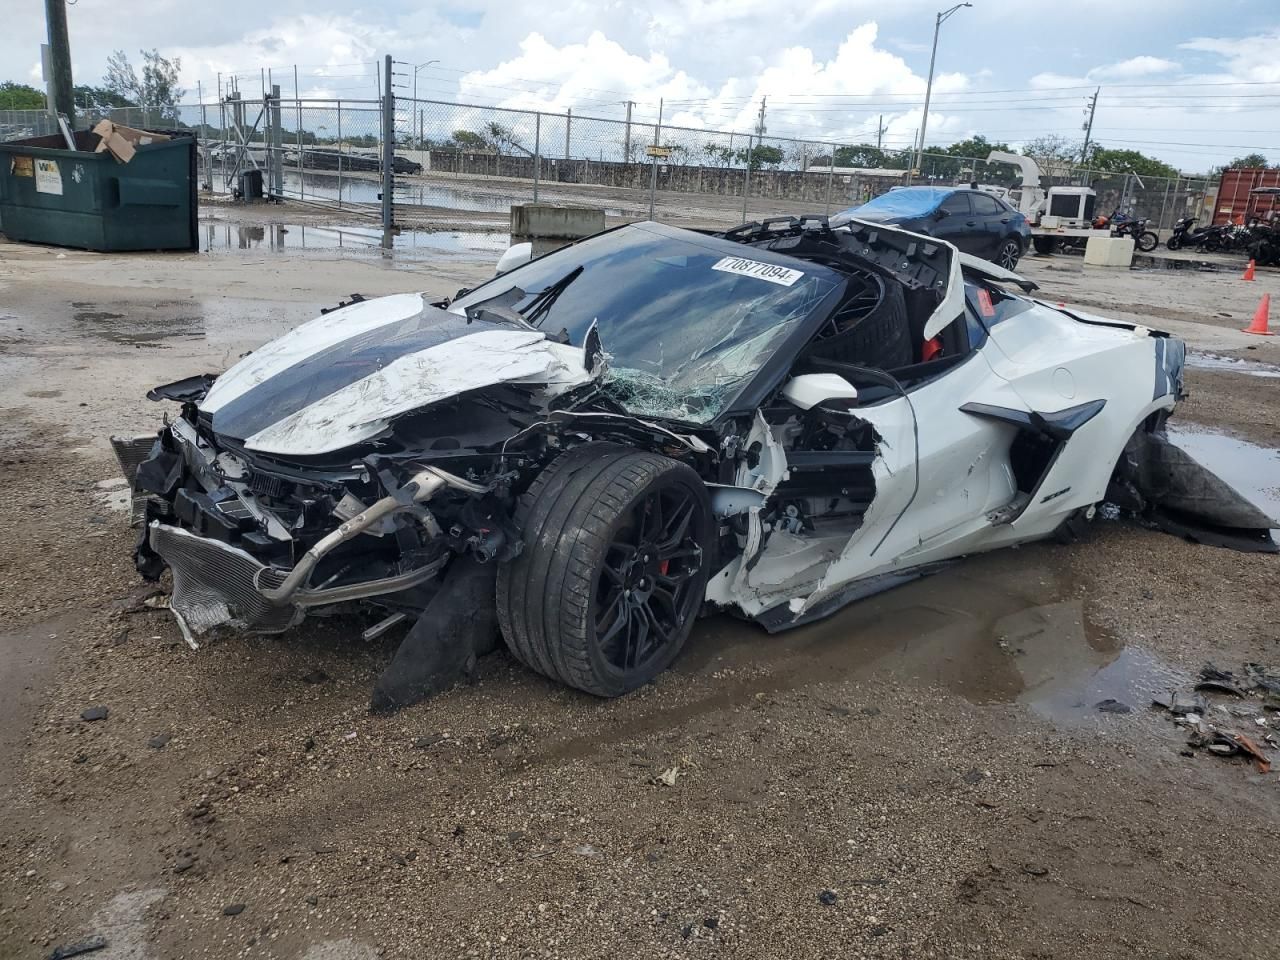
x=807, y=96
x=712, y=60
x=596, y=75
x=1143, y=66
x=1246, y=58
x=336, y=57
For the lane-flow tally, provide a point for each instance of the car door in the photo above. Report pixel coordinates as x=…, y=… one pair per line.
x=941, y=476
x=957, y=224
x=994, y=218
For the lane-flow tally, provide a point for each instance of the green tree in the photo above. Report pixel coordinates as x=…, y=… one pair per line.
x=719, y=154
x=157, y=87
x=1248, y=161
x=504, y=137
x=101, y=98
x=1129, y=161
x=469, y=140
x=1052, y=151
x=760, y=155
x=19, y=96
x=859, y=155
x=976, y=147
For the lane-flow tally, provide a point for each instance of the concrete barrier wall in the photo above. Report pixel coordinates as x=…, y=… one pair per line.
x=813, y=188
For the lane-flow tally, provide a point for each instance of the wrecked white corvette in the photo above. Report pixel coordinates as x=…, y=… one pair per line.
x=589, y=450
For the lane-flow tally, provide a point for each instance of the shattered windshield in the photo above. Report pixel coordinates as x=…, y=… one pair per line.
x=685, y=320
x=906, y=202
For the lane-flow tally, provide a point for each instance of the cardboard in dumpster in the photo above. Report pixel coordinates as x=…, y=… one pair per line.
x=122, y=141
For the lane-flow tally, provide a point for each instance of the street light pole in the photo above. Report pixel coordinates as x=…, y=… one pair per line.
x=61, y=97
x=941, y=18
x=415, y=97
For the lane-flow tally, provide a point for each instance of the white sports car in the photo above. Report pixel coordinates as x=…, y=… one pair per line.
x=586, y=452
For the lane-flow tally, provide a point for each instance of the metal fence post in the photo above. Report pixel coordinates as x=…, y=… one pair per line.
x=831, y=175
x=388, y=145
x=746, y=182
x=1164, y=200
x=297, y=95
x=537, y=152
x=653, y=162
x=222, y=131
x=277, y=145
x=568, y=120
x=340, y=154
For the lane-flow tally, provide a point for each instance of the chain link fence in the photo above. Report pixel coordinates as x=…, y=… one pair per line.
x=21, y=124
x=463, y=165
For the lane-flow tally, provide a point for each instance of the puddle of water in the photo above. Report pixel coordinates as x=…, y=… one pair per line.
x=1066, y=669
x=1144, y=262
x=1213, y=361
x=138, y=329
x=368, y=189
x=275, y=237
x=234, y=323
x=991, y=630
x=1252, y=470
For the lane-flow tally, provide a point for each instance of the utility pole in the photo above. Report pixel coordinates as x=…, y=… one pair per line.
x=880, y=132
x=751, y=152
x=1088, y=127
x=626, y=138
x=653, y=161
x=939, y=20
x=420, y=66
x=61, y=97
x=388, y=152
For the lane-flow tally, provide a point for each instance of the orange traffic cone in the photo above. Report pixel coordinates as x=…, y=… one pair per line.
x=1248, y=271
x=1259, y=325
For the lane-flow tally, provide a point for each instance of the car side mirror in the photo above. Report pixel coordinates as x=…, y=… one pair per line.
x=941, y=214
x=810, y=389
x=515, y=256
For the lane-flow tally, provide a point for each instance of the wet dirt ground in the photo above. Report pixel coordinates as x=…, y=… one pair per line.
x=926, y=774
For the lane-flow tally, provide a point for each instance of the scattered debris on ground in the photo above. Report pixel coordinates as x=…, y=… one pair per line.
x=1215, y=726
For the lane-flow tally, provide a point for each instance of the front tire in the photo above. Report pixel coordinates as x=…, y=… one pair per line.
x=1147, y=241
x=613, y=571
x=1174, y=243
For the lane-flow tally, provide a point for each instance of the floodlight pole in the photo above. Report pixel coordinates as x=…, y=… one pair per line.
x=941, y=18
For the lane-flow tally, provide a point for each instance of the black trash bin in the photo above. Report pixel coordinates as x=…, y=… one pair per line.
x=79, y=198
x=251, y=185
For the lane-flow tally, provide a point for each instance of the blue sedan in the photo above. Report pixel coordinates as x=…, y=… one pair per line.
x=974, y=221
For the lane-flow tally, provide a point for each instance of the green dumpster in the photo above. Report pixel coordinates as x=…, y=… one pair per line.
x=78, y=198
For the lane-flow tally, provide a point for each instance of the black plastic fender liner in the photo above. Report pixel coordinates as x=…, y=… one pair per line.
x=1196, y=530
x=187, y=390
x=459, y=625
x=1175, y=481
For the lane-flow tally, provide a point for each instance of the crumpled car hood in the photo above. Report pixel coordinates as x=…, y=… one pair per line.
x=340, y=379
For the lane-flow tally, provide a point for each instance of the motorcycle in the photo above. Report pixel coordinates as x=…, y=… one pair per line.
x=1123, y=225
x=1185, y=235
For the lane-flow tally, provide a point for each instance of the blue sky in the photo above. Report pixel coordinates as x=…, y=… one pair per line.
x=1193, y=83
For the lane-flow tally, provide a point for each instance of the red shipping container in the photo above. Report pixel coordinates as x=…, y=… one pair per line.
x=1236, y=199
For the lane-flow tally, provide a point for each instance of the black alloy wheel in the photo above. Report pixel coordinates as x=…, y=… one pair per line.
x=1009, y=253
x=644, y=594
